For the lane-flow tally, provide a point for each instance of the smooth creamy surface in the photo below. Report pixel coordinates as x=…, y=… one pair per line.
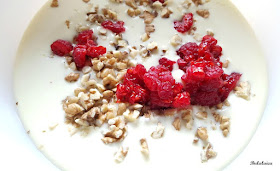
x=40, y=87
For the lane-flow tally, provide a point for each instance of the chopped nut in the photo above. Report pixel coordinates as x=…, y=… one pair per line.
x=72, y=77
x=108, y=94
x=102, y=31
x=81, y=28
x=131, y=3
x=201, y=115
x=243, y=90
x=67, y=22
x=197, y=2
x=108, y=140
x=73, y=66
x=122, y=43
x=86, y=1
x=187, y=116
x=225, y=132
x=81, y=122
x=157, y=5
x=86, y=69
x=73, y=109
x=152, y=46
x=159, y=131
x=202, y=133
x=121, y=108
x=133, y=52
x=195, y=140
x=145, y=37
x=219, y=106
x=210, y=33
x=203, y=13
x=144, y=147
x=165, y=12
x=149, y=28
x=148, y=17
x=169, y=112
x=224, y=125
x=54, y=3
x=110, y=81
x=109, y=14
x=144, y=52
x=131, y=116
x=95, y=94
x=95, y=18
x=97, y=65
x=120, y=75
x=121, y=154
x=106, y=72
x=121, y=65
x=176, y=40
x=177, y=123
x=130, y=12
x=186, y=4
x=225, y=64
x=207, y=153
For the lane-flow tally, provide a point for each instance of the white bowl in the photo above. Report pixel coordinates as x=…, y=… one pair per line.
x=18, y=151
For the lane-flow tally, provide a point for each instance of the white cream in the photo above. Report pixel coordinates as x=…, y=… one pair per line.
x=40, y=88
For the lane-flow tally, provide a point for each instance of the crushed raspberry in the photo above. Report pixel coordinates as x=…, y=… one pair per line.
x=156, y=88
x=204, y=77
x=95, y=51
x=167, y=63
x=61, y=47
x=161, y=1
x=83, y=37
x=116, y=27
x=79, y=55
x=185, y=24
x=182, y=100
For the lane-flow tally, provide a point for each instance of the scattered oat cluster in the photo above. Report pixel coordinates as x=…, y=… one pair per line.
x=100, y=72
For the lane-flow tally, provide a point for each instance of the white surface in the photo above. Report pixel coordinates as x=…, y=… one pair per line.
x=18, y=152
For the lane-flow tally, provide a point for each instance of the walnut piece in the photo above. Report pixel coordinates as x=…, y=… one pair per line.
x=201, y=115
x=72, y=77
x=165, y=13
x=177, y=123
x=176, y=40
x=158, y=133
x=207, y=153
x=73, y=109
x=54, y=3
x=144, y=147
x=121, y=154
x=243, y=90
x=203, y=13
x=202, y=133
x=148, y=17
x=149, y=28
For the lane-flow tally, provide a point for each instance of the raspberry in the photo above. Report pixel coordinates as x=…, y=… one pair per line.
x=161, y=1
x=91, y=43
x=116, y=27
x=188, y=49
x=182, y=64
x=83, y=37
x=167, y=63
x=182, y=100
x=61, y=47
x=185, y=24
x=95, y=51
x=230, y=82
x=79, y=55
x=209, y=44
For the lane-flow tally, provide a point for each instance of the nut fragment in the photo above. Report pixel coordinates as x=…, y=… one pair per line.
x=187, y=116
x=145, y=37
x=144, y=147
x=54, y=3
x=148, y=17
x=72, y=77
x=152, y=46
x=86, y=1
x=165, y=12
x=201, y=115
x=121, y=154
x=131, y=3
x=202, y=133
x=177, y=123
x=203, y=13
x=131, y=116
x=225, y=64
x=121, y=108
x=197, y=2
x=243, y=90
x=176, y=40
x=86, y=69
x=207, y=153
x=149, y=28
x=158, y=133
x=73, y=109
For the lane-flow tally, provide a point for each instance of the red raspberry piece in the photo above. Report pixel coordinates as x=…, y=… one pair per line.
x=185, y=24
x=182, y=64
x=83, y=37
x=230, y=82
x=165, y=90
x=95, y=51
x=204, y=98
x=182, y=100
x=79, y=56
x=61, y=47
x=116, y=27
x=177, y=88
x=209, y=44
x=162, y=1
x=188, y=49
x=91, y=43
x=167, y=63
